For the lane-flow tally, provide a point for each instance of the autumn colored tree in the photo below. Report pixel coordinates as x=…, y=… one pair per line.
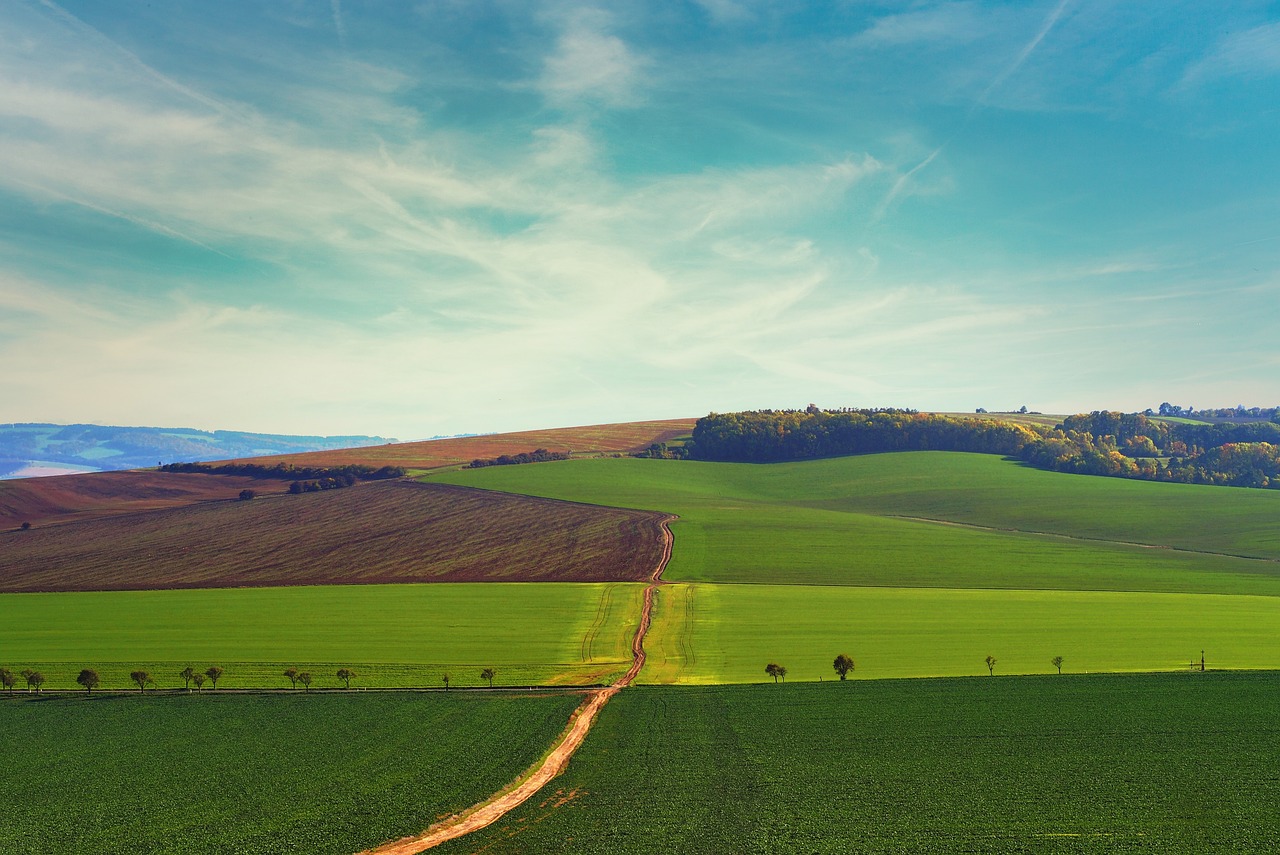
x=213, y=672
x=488, y=674
x=186, y=674
x=774, y=670
x=142, y=678
x=843, y=665
x=7, y=680
x=304, y=677
x=292, y=674
x=345, y=675
x=198, y=679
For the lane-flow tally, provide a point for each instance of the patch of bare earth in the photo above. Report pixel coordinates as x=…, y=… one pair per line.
x=378, y=532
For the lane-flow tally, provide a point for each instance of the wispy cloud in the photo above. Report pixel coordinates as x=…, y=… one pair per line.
x=590, y=63
x=1251, y=54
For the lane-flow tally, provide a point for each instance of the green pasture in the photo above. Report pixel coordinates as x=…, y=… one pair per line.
x=393, y=635
x=728, y=633
x=1173, y=763
x=884, y=520
x=257, y=774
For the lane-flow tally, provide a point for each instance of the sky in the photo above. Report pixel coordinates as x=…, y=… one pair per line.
x=454, y=216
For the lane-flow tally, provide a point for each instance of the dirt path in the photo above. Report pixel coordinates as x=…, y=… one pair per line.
x=488, y=812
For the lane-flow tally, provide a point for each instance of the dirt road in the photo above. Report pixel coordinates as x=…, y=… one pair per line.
x=488, y=812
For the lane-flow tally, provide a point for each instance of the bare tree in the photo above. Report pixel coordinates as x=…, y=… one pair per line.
x=89, y=679
x=213, y=672
x=304, y=677
x=843, y=665
x=1057, y=663
x=186, y=674
x=142, y=678
x=488, y=674
x=774, y=670
x=345, y=675
x=7, y=680
x=991, y=665
x=292, y=674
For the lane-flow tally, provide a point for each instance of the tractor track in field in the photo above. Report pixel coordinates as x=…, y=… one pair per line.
x=488, y=812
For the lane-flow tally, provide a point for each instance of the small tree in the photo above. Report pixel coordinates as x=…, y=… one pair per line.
x=186, y=674
x=304, y=677
x=445, y=678
x=292, y=674
x=7, y=680
x=89, y=679
x=35, y=678
x=843, y=665
x=246, y=495
x=488, y=674
x=198, y=679
x=991, y=665
x=213, y=672
x=26, y=526
x=1057, y=663
x=142, y=678
x=345, y=675
x=774, y=670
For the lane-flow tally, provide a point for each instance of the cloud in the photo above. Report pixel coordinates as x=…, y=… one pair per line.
x=1252, y=54
x=950, y=22
x=589, y=64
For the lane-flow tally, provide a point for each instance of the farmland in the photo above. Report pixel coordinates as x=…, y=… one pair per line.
x=373, y=533
x=1120, y=763
x=854, y=521
x=257, y=773
x=393, y=635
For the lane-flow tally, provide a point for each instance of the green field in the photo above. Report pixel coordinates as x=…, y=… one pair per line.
x=848, y=521
x=1123, y=763
x=393, y=635
x=728, y=633
x=257, y=773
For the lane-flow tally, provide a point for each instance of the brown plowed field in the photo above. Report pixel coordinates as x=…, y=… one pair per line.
x=391, y=531
x=63, y=498
x=434, y=453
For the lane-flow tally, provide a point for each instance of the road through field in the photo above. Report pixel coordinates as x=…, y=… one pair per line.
x=488, y=812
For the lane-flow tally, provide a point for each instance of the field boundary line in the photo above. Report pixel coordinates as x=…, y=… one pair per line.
x=491, y=810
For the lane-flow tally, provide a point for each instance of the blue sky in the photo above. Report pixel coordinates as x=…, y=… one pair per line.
x=411, y=219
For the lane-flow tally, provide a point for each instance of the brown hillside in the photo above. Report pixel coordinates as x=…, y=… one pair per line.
x=64, y=498
x=391, y=531
x=434, y=453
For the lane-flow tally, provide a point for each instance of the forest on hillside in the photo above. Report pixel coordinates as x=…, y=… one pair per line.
x=1125, y=445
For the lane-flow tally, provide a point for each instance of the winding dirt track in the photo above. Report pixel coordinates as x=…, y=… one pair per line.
x=488, y=812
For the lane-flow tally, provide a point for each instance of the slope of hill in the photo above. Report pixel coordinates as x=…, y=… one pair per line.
x=36, y=449
x=395, y=531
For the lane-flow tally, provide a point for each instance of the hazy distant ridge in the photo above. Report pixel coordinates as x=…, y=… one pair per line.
x=104, y=447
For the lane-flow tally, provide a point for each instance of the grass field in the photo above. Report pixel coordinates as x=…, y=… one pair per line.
x=849, y=521
x=1149, y=763
x=380, y=532
x=393, y=635
x=728, y=633
x=256, y=774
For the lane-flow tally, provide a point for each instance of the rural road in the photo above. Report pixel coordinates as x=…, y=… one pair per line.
x=490, y=811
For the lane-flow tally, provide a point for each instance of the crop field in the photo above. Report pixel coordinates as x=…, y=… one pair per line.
x=855, y=521
x=392, y=635
x=41, y=501
x=1174, y=763
x=218, y=773
x=432, y=454
x=372, y=533
x=728, y=633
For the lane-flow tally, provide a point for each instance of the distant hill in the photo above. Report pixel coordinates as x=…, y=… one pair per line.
x=29, y=450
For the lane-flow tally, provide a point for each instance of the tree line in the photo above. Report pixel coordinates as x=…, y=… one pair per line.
x=1126, y=445
x=539, y=455
x=348, y=473
x=844, y=665
x=89, y=679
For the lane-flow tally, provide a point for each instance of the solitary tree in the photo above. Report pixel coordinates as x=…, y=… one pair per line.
x=445, y=678
x=1057, y=663
x=26, y=526
x=991, y=665
x=89, y=679
x=247, y=495
x=843, y=665
x=186, y=674
x=292, y=674
x=774, y=670
x=345, y=675
x=213, y=672
x=488, y=674
x=304, y=677
x=7, y=679
x=141, y=678
x=198, y=679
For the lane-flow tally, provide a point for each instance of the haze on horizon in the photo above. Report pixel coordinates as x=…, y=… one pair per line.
x=412, y=219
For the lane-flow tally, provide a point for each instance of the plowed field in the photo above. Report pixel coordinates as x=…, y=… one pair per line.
x=371, y=533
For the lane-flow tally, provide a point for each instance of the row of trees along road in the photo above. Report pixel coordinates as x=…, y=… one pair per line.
x=844, y=664
x=89, y=679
